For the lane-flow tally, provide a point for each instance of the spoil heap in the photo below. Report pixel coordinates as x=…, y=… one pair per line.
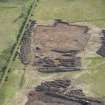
x=101, y=51
x=25, y=49
x=59, y=92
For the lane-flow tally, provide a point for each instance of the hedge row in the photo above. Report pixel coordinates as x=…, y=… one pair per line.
x=20, y=36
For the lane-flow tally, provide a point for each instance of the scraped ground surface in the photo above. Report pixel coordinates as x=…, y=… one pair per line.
x=60, y=36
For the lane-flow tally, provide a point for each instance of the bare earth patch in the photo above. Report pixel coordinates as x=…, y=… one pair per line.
x=56, y=47
x=61, y=45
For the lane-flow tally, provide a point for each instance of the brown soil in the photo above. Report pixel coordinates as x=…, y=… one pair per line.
x=25, y=49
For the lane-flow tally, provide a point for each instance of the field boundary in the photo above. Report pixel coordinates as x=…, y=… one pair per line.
x=20, y=36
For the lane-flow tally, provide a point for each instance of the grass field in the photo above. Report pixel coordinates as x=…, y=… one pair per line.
x=92, y=11
x=10, y=23
x=8, y=29
x=12, y=85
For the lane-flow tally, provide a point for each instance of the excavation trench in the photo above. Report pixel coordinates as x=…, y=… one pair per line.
x=60, y=92
x=55, y=48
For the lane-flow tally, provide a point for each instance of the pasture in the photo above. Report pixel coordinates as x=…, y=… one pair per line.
x=11, y=18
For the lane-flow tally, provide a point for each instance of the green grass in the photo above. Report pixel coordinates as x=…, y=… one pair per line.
x=12, y=85
x=95, y=77
x=8, y=35
x=92, y=11
x=12, y=15
x=8, y=28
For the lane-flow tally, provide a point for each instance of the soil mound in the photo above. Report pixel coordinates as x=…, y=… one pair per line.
x=54, y=47
x=59, y=92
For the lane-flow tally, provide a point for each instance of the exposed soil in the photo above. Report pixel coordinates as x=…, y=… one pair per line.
x=61, y=35
x=25, y=49
x=59, y=92
x=55, y=47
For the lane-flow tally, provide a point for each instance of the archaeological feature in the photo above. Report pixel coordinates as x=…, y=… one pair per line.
x=60, y=92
